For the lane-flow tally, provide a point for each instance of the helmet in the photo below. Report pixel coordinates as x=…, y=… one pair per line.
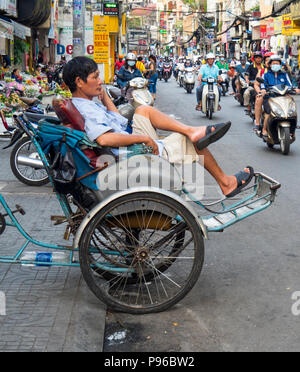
x=257, y=54
x=268, y=54
x=121, y=56
x=131, y=56
x=275, y=57
x=210, y=55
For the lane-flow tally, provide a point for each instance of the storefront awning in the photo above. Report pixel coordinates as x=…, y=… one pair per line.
x=21, y=31
x=6, y=29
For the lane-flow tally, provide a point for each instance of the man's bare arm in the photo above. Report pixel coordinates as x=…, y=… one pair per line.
x=124, y=140
x=107, y=102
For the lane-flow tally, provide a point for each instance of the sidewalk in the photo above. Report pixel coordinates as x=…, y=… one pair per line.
x=47, y=309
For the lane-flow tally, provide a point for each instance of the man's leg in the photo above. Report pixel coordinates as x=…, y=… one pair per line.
x=199, y=91
x=162, y=121
x=258, y=109
x=247, y=95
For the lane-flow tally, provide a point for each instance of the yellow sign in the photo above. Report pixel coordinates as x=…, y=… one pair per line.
x=278, y=25
x=289, y=27
x=101, y=39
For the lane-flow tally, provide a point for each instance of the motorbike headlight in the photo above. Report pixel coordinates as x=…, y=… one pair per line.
x=277, y=110
x=292, y=109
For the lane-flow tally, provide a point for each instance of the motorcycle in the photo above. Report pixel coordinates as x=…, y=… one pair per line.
x=167, y=71
x=160, y=70
x=243, y=87
x=225, y=81
x=282, y=121
x=135, y=94
x=180, y=75
x=210, y=97
x=189, y=79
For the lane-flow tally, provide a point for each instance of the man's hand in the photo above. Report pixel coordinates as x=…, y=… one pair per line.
x=297, y=91
x=102, y=94
x=262, y=93
x=153, y=144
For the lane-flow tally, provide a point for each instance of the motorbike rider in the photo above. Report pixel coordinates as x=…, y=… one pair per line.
x=129, y=71
x=222, y=64
x=274, y=76
x=259, y=96
x=252, y=72
x=140, y=65
x=209, y=70
x=239, y=69
x=188, y=63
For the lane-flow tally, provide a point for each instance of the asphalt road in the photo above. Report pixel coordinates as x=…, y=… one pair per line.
x=243, y=298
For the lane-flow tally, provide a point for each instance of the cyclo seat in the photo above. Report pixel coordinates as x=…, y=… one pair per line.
x=71, y=118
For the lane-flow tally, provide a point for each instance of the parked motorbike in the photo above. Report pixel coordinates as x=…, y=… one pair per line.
x=167, y=71
x=189, y=79
x=225, y=81
x=210, y=97
x=282, y=122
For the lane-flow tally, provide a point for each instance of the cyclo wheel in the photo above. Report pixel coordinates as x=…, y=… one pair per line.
x=153, y=272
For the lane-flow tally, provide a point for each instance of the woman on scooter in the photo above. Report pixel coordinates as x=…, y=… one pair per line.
x=274, y=76
x=129, y=71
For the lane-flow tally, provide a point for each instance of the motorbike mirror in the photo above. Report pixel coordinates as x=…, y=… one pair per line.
x=260, y=80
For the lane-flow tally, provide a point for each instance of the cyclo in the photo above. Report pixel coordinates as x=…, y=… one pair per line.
x=141, y=249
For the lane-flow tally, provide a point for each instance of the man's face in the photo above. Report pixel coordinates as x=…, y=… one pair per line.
x=210, y=61
x=92, y=87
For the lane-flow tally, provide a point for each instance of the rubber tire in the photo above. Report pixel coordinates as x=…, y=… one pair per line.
x=108, y=300
x=210, y=108
x=14, y=169
x=286, y=141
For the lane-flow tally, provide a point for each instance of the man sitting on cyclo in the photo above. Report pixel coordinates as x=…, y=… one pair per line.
x=106, y=126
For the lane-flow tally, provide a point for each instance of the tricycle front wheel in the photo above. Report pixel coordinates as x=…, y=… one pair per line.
x=142, y=253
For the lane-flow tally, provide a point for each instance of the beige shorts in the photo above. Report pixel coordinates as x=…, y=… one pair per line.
x=177, y=147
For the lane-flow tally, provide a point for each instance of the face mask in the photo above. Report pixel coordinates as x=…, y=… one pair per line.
x=222, y=59
x=276, y=68
x=243, y=62
x=131, y=63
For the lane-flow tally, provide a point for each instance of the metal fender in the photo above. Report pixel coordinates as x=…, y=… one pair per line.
x=204, y=97
x=217, y=98
x=119, y=194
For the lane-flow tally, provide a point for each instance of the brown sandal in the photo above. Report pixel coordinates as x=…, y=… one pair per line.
x=198, y=107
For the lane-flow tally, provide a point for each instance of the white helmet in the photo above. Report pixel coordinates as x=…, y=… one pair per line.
x=131, y=56
x=210, y=55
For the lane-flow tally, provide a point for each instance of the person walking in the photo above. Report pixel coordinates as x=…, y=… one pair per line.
x=152, y=75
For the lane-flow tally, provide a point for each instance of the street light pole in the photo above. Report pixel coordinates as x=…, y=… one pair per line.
x=78, y=28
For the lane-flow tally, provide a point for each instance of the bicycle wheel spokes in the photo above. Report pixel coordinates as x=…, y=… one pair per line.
x=142, y=254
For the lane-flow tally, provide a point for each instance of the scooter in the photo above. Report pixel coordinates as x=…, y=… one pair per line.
x=160, y=70
x=243, y=87
x=189, y=79
x=167, y=71
x=225, y=81
x=282, y=121
x=210, y=97
x=180, y=75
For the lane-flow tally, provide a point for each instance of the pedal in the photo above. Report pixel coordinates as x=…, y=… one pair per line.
x=19, y=209
x=58, y=220
x=67, y=233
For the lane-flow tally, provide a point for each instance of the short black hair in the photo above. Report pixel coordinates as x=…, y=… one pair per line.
x=80, y=67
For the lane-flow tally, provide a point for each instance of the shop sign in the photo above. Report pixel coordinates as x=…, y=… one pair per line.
x=263, y=31
x=270, y=27
x=277, y=25
x=9, y=6
x=6, y=30
x=287, y=25
x=101, y=39
x=295, y=10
